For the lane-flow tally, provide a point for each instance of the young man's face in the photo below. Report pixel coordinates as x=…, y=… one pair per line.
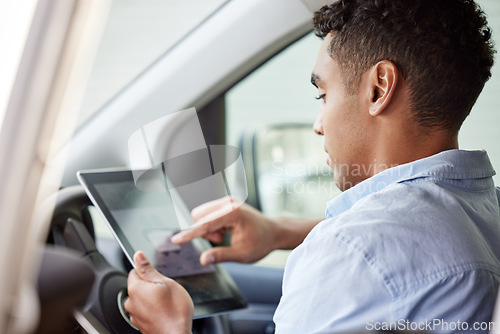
x=342, y=121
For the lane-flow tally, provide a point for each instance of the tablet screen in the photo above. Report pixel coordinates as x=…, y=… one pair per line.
x=146, y=220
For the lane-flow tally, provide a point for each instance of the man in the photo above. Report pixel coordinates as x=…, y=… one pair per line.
x=413, y=241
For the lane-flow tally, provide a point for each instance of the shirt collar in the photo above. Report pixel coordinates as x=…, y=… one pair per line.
x=452, y=164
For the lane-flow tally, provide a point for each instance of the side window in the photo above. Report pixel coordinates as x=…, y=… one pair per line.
x=280, y=92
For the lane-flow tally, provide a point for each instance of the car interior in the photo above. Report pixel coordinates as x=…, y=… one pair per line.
x=90, y=74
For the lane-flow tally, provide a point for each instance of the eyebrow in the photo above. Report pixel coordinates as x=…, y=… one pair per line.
x=315, y=79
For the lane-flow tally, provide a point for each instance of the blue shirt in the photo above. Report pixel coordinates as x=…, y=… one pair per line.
x=415, y=247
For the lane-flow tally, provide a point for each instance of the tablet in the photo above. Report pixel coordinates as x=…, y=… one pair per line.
x=145, y=219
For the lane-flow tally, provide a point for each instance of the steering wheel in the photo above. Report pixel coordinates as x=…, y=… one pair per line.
x=72, y=227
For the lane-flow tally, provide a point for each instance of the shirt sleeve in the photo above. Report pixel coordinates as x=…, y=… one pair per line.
x=330, y=286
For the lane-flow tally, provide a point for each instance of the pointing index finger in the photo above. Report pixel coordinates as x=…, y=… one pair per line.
x=187, y=235
x=214, y=223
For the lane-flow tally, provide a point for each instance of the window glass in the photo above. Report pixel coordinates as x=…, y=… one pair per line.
x=278, y=91
x=290, y=161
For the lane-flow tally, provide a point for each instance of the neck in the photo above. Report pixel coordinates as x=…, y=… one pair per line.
x=412, y=145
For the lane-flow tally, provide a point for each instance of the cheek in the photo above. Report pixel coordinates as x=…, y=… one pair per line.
x=335, y=130
x=343, y=134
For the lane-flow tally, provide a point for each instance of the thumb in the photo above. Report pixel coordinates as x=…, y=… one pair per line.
x=145, y=269
x=219, y=254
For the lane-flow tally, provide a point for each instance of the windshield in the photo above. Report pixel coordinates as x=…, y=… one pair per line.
x=136, y=34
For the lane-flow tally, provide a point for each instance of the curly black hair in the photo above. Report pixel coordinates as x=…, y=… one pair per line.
x=443, y=49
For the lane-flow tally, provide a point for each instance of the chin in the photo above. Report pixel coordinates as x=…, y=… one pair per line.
x=340, y=183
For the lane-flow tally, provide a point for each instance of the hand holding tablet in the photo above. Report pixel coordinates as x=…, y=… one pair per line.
x=157, y=303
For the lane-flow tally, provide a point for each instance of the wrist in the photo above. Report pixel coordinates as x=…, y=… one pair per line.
x=180, y=327
x=289, y=233
x=284, y=234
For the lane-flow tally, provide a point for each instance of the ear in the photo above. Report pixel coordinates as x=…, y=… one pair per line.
x=383, y=80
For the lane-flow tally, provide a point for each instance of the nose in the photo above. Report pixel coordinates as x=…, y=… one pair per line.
x=318, y=125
